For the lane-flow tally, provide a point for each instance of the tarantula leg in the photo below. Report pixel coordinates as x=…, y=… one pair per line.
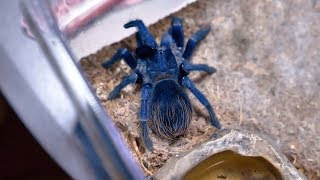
x=198, y=67
x=176, y=31
x=188, y=83
x=146, y=91
x=146, y=38
x=139, y=40
x=121, y=53
x=132, y=78
x=194, y=40
x=166, y=40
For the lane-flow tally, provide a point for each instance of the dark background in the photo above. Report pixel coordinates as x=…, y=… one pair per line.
x=20, y=154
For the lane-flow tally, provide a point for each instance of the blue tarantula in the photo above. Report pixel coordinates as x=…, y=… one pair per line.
x=162, y=70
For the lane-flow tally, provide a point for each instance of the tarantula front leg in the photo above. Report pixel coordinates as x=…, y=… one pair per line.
x=176, y=31
x=132, y=78
x=144, y=36
x=188, y=83
x=194, y=40
x=121, y=53
x=198, y=67
x=146, y=91
x=166, y=40
x=139, y=40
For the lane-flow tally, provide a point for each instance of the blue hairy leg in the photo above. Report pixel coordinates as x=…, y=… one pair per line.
x=198, y=67
x=176, y=31
x=121, y=53
x=166, y=40
x=132, y=78
x=146, y=38
x=188, y=83
x=139, y=41
x=194, y=40
x=145, y=94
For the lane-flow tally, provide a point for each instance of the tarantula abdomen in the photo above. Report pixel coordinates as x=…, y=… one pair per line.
x=170, y=110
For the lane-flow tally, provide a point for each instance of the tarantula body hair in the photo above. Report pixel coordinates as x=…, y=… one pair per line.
x=162, y=70
x=170, y=110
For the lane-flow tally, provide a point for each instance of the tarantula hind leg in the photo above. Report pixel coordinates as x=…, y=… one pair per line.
x=121, y=53
x=146, y=91
x=194, y=40
x=132, y=78
x=188, y=83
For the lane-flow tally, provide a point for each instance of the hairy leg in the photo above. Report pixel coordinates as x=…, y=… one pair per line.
x=166, y=40
x=198, y=67
x=145, y=95
x=188, y=83
x=194, y=40
x=132, y=78
x=139, y=40
x=146, y=38
x=121, y=53
x=176, y=31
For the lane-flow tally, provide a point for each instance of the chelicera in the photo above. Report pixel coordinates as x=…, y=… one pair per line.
x=163, y=72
